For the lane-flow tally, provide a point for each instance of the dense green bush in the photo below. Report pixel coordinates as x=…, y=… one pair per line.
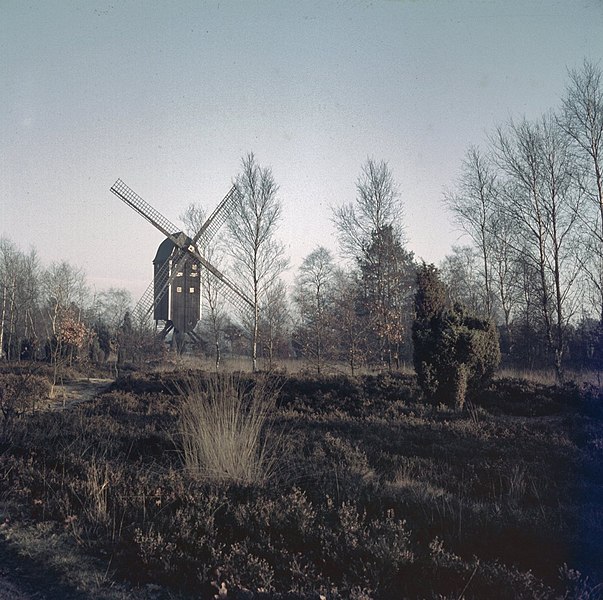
x=455, y=353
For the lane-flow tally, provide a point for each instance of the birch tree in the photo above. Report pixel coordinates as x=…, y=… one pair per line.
x=313, y=297
x=474, y=208
x=371, y=232
x=258, y=257
x=544, y=201
x=582, y=121
x=377, y=205
x=19, y=296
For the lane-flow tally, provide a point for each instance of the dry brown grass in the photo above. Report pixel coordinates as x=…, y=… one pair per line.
x=547, y=376
x=225, y=429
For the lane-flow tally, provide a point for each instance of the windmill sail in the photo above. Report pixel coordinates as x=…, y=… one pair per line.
x=132, y=199
x=216, y=219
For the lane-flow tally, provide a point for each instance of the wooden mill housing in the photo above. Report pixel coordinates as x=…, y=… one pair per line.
x=180, y=303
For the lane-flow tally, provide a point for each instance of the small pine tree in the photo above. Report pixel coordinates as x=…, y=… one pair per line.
x=455, y=353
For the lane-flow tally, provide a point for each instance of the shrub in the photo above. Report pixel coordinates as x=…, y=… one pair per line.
x=224, y=429
x=454, y=352
x=20, y=392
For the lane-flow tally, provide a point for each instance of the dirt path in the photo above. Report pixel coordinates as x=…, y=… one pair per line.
x=76, y=392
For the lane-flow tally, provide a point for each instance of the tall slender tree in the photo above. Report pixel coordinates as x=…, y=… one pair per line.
x=19, y=299
x=313, y=297
x=474, y=207
x=582, y=121
x=349, y=326
x=274, y=323
x=258, y=257
x=371, y=233
x=544, y=201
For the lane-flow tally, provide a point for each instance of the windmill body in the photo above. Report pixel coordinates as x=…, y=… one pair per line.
x=178, y=305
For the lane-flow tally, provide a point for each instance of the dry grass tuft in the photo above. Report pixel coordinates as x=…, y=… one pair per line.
x=226, y=431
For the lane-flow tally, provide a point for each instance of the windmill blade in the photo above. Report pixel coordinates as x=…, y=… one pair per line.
x=236, y=299
x=149, y=299
x=235, y=295
x=233, y=287
x=133, y=200
x=163, y=280
x=217, y=218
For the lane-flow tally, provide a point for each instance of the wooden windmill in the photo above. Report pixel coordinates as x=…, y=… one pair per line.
x=174, y=295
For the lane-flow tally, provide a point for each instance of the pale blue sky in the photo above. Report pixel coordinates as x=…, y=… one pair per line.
x=170, y=95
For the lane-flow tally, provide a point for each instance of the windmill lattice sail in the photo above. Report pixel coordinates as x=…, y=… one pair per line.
x=152, y=294
x=132, y=199
x=217, y=218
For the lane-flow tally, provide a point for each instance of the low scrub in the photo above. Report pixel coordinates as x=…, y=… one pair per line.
x=21, y=392
x=376, y=495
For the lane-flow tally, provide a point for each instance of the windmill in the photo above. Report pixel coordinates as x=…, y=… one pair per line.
x=174, y=295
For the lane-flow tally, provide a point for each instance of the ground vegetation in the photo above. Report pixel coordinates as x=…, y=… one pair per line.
x=375, y=493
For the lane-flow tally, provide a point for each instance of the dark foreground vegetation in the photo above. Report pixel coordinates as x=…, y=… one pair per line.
x=373, y=494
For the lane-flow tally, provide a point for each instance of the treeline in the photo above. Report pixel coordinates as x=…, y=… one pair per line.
x=531, y=203
x=51, y=313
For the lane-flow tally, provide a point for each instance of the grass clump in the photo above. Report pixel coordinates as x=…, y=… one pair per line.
x=225, y=428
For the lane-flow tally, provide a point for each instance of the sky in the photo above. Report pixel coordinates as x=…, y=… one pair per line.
x=169, y=96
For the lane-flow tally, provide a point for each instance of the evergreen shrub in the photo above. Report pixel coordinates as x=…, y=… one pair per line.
x=455, y=353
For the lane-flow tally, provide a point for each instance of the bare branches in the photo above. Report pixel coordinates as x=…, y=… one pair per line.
x=314, y=298
x=474, y=208
x=377, y=205
x=258, y=257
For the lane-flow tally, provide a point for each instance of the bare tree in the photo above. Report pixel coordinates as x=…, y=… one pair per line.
x=259, y=259
x=9, y=258
x=544, y=201
x=19, y=295
x=214, y=317
x=65, y=293
x=349, y=326
x=274, y=322
x=108, y=312
x=474, y=208
x=582, y=121
x=377, y=205
x=112, y=305
x=313, y=297
x=505, y=269
x=460, y=272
